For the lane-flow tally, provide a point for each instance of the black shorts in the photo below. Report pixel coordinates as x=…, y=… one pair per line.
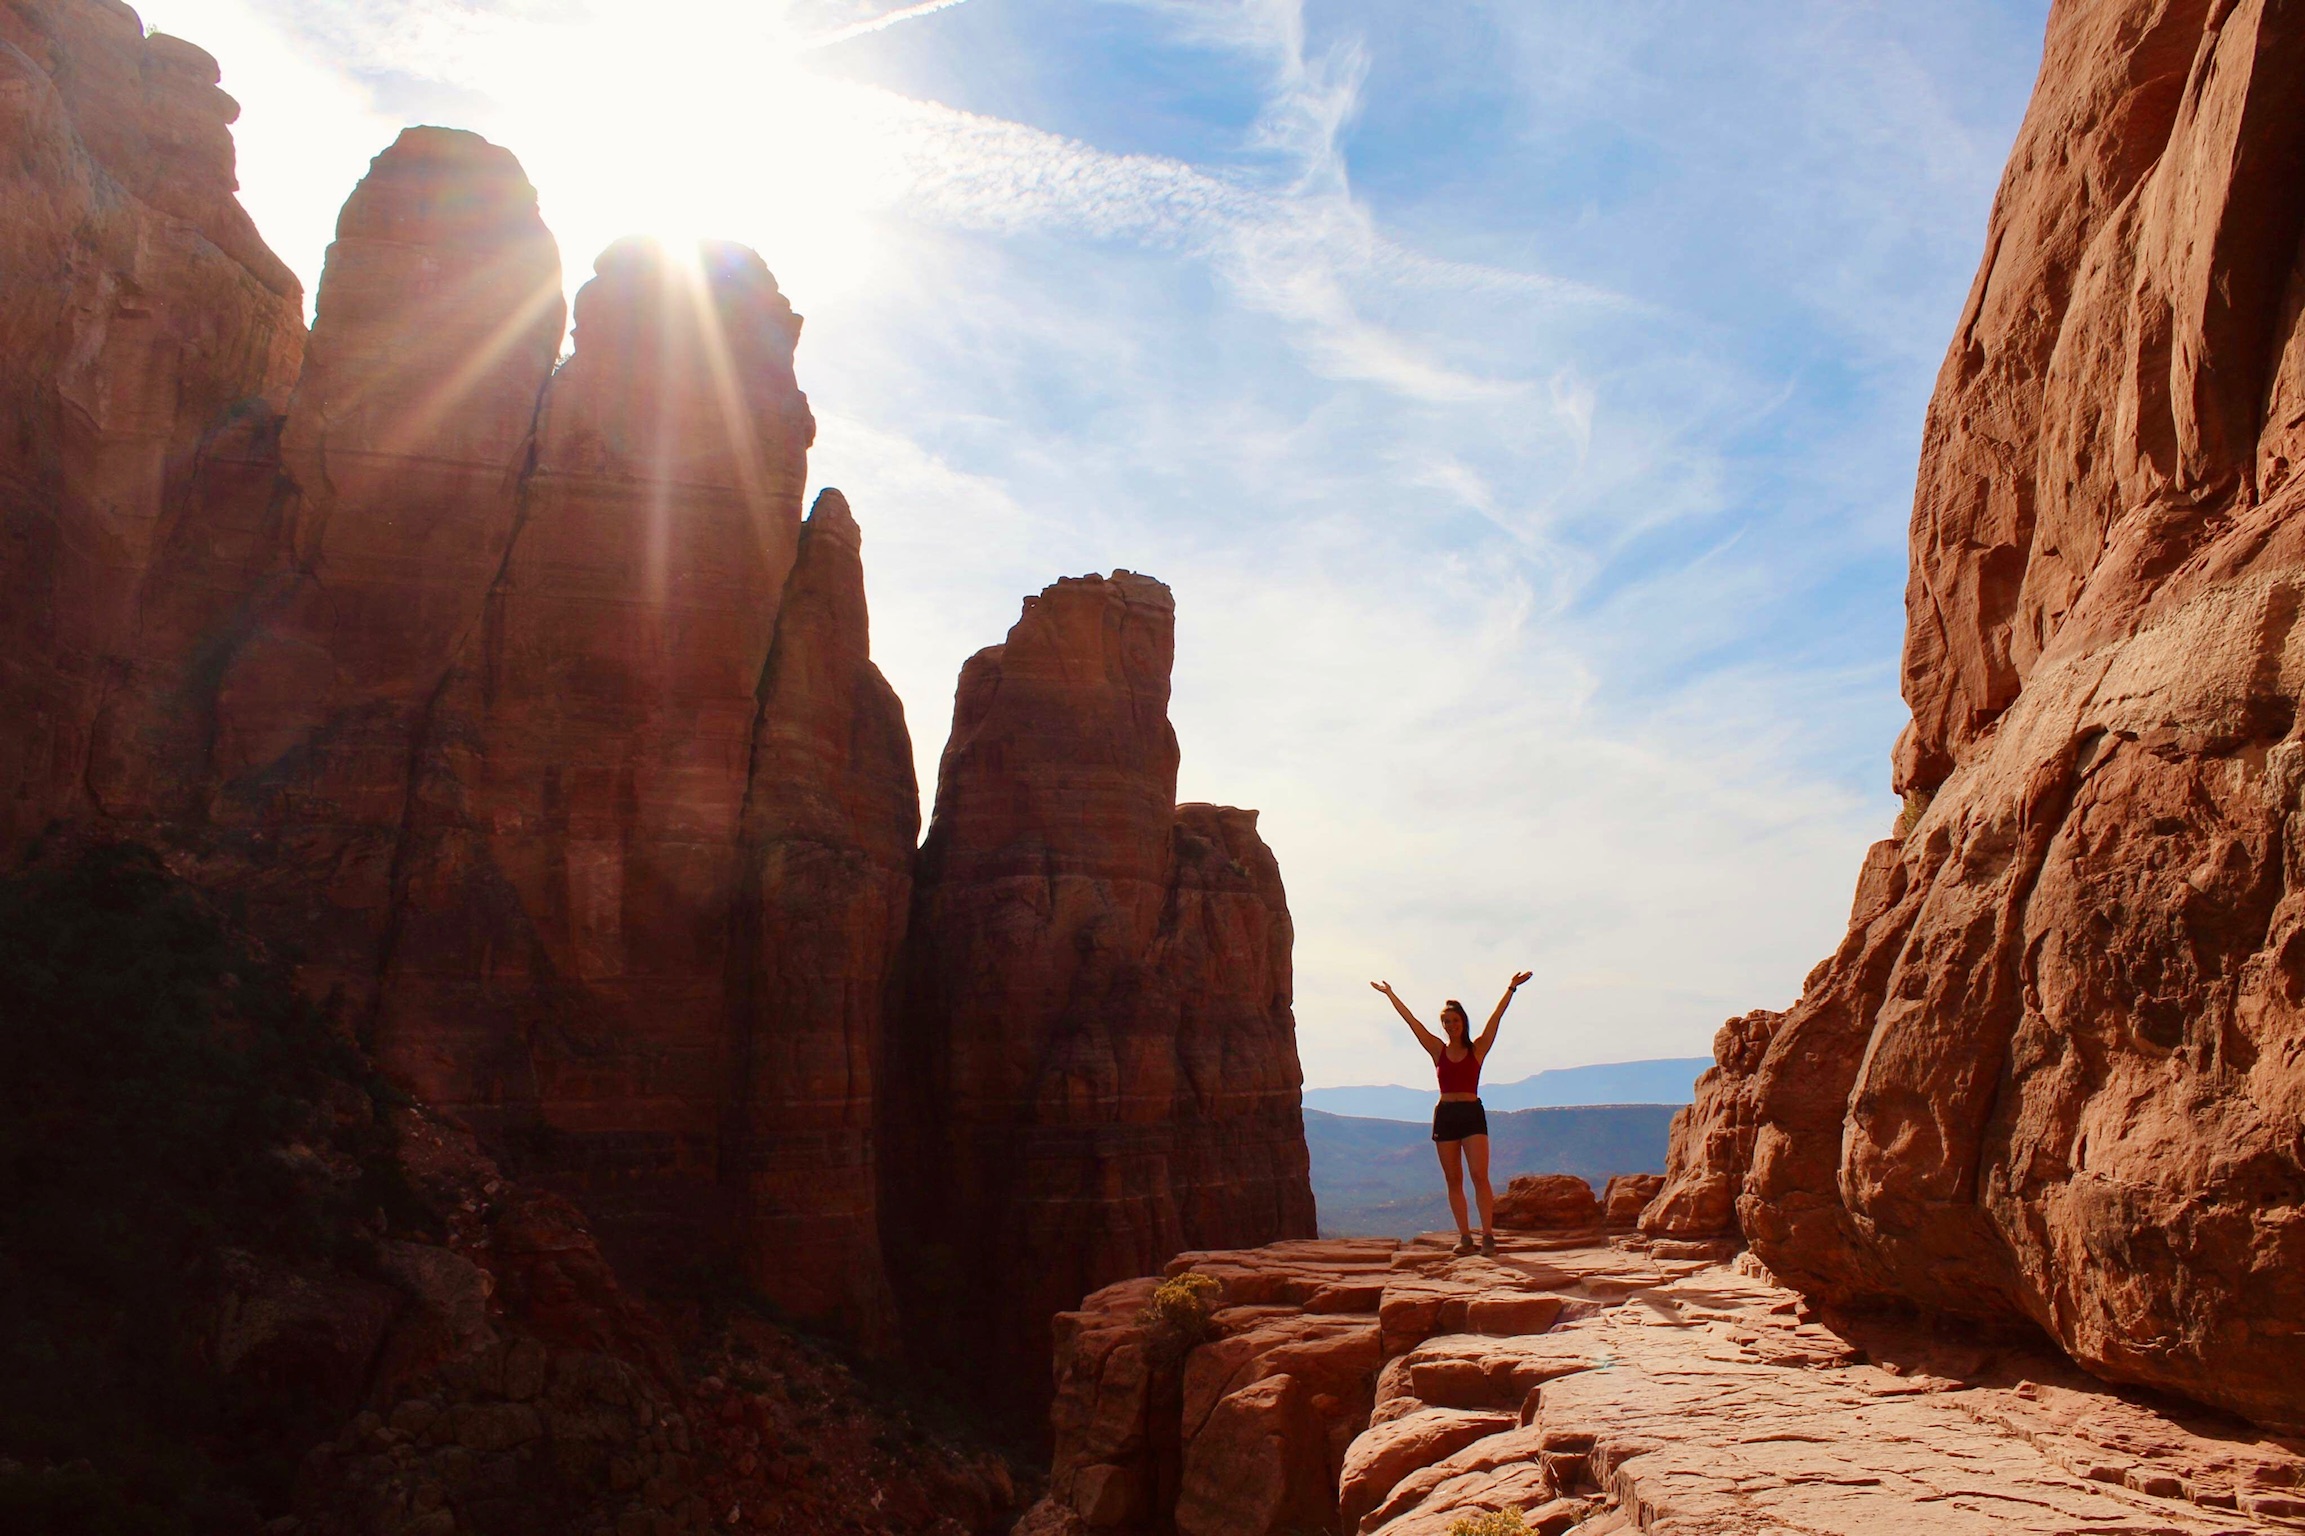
x=1455, y=1119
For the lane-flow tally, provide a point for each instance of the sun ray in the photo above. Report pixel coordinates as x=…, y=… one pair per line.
x=452, y=390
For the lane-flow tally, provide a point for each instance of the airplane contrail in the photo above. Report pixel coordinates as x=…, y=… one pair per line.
x=886, y=19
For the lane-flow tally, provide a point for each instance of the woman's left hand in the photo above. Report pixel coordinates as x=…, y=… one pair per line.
x=1521, y=977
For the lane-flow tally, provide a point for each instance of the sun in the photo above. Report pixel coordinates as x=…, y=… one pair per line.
x=691, y=120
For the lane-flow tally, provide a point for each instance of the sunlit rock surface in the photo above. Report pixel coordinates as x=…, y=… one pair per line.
x=1370, y=1386
x=2052, y=1075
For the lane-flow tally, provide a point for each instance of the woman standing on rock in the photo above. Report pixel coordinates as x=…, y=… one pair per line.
x=1460, y=1124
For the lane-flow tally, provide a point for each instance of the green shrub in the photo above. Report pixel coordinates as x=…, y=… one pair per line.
x=154, y=1068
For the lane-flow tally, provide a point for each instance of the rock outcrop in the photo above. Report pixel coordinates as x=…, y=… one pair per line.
x=276, y=697
x=1372, y=1387
x=510, y=694
x=1711, y=1146
x=2051, y=1077
x=453, y=664
x=1095, y=1063
x=142, y=326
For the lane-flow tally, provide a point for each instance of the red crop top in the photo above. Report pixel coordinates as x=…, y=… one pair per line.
x=1458, y=1076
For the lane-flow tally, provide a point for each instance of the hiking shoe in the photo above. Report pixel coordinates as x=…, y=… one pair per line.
x=1488, y=1245
x=1464, y=1245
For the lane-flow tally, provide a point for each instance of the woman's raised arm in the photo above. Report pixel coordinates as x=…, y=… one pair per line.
x=1433, y=1044
x=1489, y=1035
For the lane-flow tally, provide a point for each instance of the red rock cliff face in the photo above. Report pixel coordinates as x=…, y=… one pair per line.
x=140, y=320
x=284, y=677
x=1096, y=1064
x=558, y=967
x=2052, y=1072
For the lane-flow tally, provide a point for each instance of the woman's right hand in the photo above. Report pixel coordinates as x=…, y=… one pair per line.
x=1385, y=987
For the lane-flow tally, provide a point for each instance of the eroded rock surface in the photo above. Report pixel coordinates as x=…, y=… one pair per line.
x=1096, y=1063
x=562, y=916
x=1600, y=1387
x=2051, y=1074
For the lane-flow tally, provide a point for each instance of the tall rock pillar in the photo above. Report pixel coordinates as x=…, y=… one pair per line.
x=1095, y=1064
x=289, y=720
x=831, y=817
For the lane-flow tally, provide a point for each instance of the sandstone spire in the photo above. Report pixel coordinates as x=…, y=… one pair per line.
x=830, y=819
x=1096, y=1064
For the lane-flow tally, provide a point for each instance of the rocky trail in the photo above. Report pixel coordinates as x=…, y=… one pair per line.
x=1597, y=1383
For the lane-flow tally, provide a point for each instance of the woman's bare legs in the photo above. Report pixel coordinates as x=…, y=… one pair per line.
x=1453, y=1164
x=1477, y=1154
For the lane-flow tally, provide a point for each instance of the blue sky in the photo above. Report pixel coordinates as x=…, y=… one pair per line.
x=1521, y=397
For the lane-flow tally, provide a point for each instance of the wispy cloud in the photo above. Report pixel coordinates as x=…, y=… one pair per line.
x=880, y=23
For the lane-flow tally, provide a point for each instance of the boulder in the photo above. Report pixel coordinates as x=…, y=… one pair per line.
x=1384, y=1454
x=1627, y=1195
x=1539, y=1200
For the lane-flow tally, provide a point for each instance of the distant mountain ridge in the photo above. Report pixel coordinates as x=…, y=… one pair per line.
x=1669, y=1080
x=1379, y=1178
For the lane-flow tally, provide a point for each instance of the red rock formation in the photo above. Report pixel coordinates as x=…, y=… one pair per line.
x=2051, y=1074
x=831, y=817
x=1096, y=1063
x=558, y=970
x=139, y=319
x=504, y=690
x=1711, y=1148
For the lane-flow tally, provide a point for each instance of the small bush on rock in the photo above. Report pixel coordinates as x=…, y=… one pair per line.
x=1179, y=1314
x=1489, y=1522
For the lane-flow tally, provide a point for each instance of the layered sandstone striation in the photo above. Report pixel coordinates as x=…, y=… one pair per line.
x=1095, y=1064
x=1369, y=1386
x=142, y=327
